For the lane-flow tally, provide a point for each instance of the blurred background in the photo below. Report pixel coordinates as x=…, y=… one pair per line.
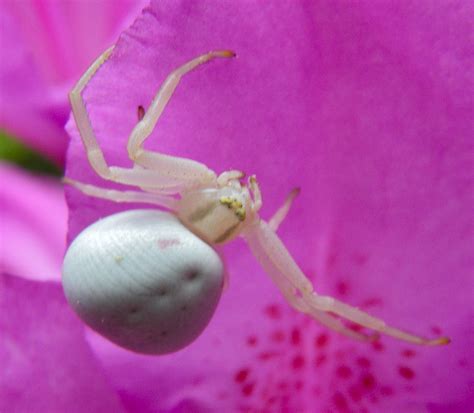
x=44, y=47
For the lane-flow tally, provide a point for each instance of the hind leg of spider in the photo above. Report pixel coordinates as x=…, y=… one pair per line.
x=278, y=263
x=325, y=303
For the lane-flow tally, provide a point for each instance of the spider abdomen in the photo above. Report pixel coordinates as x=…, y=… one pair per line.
x=143, y=280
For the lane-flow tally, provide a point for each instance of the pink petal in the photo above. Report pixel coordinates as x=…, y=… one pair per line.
x=46, y=365
x=366, y=108
x=44, y=47
x=33, y=218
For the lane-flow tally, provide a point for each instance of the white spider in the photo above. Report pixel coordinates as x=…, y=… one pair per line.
x=215, y=208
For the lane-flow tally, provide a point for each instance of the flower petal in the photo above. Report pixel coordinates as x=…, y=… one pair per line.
x=368, y=110
x=33, y=217
x=46, y=365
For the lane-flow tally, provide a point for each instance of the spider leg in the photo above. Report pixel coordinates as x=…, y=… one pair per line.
x=278, y=263
x=171, y=171
x=281, y=213
x=123, y=196
x=182, y=168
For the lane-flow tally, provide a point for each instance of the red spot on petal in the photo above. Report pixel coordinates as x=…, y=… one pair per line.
x=343, y=371
x=273, y=311
x=436, y=330
x=252, y=341
x=283, y=385
x=355, y=393
x=321, y=340
x=299, y=385
x=363, y=362
x=360, y=259
x=386, y=391
x=298, y=362
x=354, y=327
x=320, y=360
x=317, y=391
x=378, y=346
x=342, y=288
x=277, y=336
x=241, y=375
x=340, y=401
x=267, y=355
x=406, y=372
x=295, y=336
x=408, y=353
x=371, y=302
x=368, y=381
x=247, y=390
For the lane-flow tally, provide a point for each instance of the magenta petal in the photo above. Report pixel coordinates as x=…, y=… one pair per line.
x=366, y=108
x=46, y=365
x=44, y=46
x=33, y=218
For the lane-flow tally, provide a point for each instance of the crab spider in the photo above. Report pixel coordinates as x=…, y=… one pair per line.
x=216, y=208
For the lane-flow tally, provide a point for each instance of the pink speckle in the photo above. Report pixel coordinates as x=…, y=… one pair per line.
x=408, y=353
x=406, y=372
x=343, y=371
x=297, y=362
x=247, y=390
x=320, y=360
x=342, y=288
x=167, y=243
x=241, y=375
x=363, y=362
x=273, y=311
x=386, y=391
x=277, y=336
x=368, y=381
x=267, y=355
x=283, y=385
x=252, y=341
x=371, y=302
x=321, y=340
x=436, y=330
x=295, y=336
x=299, y=384
x=378, y=346
x=340, y=401
x=360, y=259
x=355, y=393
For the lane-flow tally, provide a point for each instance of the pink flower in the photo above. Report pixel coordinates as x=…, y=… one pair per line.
x=368, y=109
x=44, y=46
x=34, y=222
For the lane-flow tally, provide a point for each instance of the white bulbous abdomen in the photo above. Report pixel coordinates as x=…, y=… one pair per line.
x=143, y=280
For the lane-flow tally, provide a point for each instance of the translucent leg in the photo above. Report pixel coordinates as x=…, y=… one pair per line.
x=169, y=165
x=278, y=263
x=281, y=213
x=170, y=172
x=123, y=196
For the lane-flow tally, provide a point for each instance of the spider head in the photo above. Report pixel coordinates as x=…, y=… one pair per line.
x=217, y=215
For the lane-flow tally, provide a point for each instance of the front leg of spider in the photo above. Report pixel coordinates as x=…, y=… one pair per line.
x=298, y=290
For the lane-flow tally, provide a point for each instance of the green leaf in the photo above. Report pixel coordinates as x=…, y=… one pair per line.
x=14, y=151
